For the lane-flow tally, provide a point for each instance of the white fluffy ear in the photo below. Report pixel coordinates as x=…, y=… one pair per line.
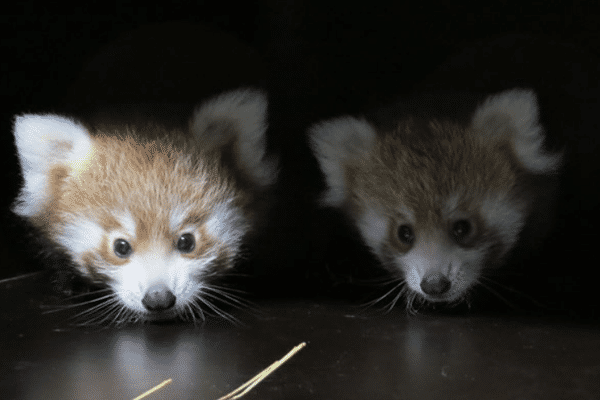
x=242, y=113
x=45, y=141
x=336, y=143
x=515, y=113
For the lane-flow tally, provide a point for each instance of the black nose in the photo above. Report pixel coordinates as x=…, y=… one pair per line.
x=159, y=298
x=435, y=284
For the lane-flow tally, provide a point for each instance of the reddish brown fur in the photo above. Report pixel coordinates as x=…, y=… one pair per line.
x=146, y=176
x=421, y=165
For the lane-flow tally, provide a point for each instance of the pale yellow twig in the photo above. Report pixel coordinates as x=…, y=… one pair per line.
x=154, y=389
x=246, y=387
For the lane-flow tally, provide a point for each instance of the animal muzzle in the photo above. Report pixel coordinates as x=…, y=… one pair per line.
x=159, y=298
x=435, y=285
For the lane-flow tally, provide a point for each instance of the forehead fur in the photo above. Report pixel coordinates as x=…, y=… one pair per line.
x=421, y=164
x=147, y=176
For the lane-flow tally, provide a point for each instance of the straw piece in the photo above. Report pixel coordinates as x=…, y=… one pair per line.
x=246, y=387
x=154, y=389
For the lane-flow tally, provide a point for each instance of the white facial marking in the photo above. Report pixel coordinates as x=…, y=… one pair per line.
x=127, y=223
x=451, y=205
x=507, y=218
x=159, y=266
x=227, y=224
x=374, y=229
x=429, y=256
x=177, y=216
x=80, y=236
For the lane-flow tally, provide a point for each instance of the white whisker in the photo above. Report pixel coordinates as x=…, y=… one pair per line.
x=217, y=311
x=75, y=305
x=495, y=293
x=399, y=286
x=197, y=307
x=224, y=294
x=411, y=297
x=188, y=309
x=24, y=276
x=508, y=288
x=100, y=313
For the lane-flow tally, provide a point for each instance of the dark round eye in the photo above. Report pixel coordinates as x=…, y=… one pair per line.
x=405, y=234
x=186, y=243
x=122, y=248
x=461, y=229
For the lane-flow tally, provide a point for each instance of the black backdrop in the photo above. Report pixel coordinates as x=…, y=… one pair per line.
x=317, y=60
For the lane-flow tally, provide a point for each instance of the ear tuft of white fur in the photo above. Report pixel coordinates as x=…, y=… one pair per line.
x=515, y=112
x=44, y=141
x=336, y=143
x=246, y=110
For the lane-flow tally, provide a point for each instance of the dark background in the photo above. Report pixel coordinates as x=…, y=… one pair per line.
x=317, y=60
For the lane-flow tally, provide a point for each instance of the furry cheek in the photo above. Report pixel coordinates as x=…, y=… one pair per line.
x=504, y=216
x=374, y=229
x=228, y=226
x=80, y=236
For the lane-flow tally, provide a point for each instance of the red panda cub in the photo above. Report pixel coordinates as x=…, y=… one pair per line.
x=437, y=199
x=147, y=211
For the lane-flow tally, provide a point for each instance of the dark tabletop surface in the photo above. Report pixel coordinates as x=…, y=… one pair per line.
x=350, y=354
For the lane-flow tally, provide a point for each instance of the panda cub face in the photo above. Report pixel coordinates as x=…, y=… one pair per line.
x=435, y=199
